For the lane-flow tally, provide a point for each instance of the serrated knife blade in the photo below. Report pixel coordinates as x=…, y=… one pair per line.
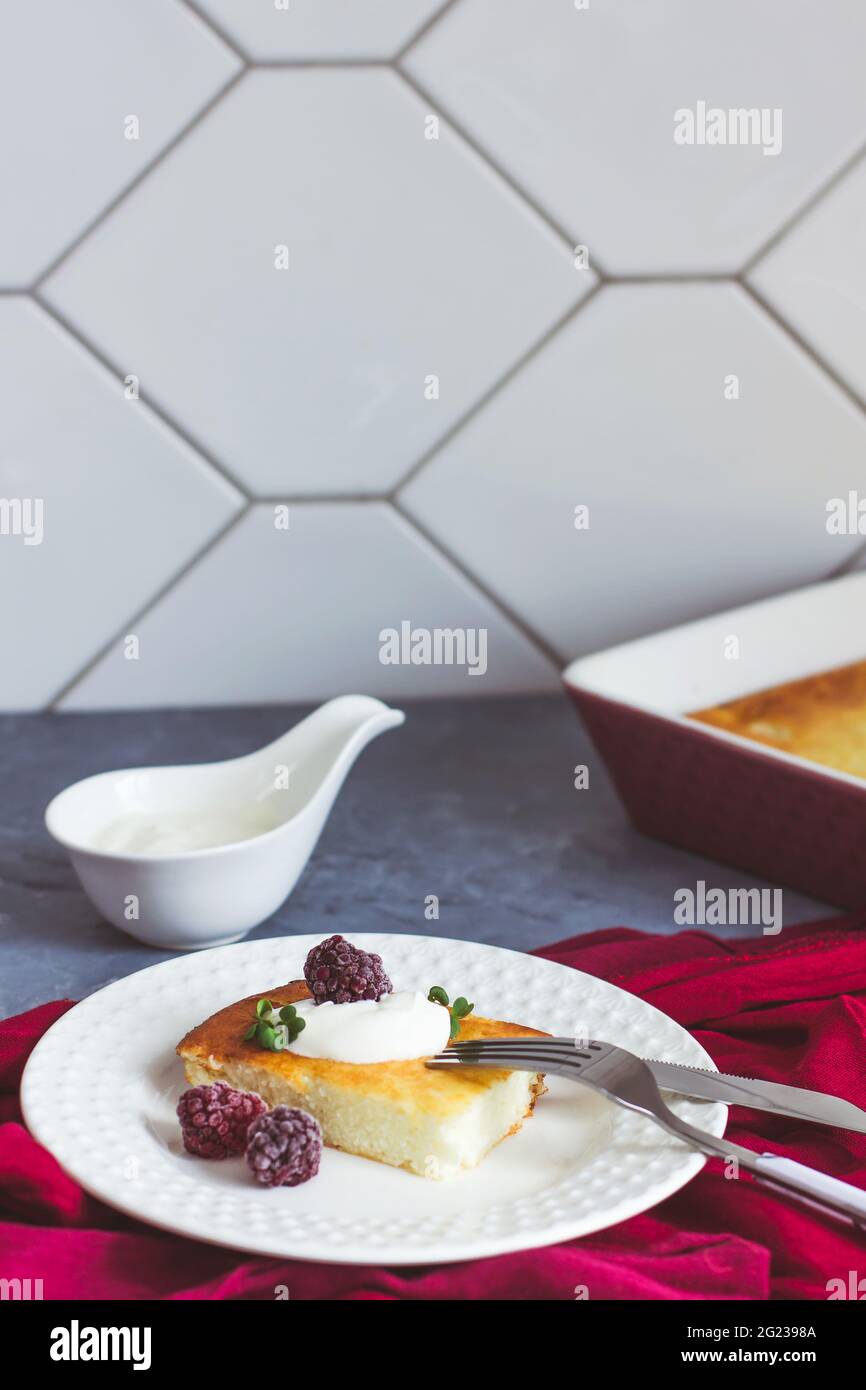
x=772, y=1096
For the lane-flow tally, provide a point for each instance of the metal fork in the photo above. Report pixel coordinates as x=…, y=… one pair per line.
x=628, y=1081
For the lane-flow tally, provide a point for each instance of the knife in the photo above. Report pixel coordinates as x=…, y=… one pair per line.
x=772, y=1096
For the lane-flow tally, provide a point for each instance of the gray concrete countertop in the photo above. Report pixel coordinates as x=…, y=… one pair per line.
x=472, y=801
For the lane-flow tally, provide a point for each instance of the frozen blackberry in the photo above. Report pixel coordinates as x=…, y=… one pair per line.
x=214, y=1119
x=339, y=973
x=284, y=1147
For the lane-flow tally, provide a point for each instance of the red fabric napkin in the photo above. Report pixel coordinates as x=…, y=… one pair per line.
x=789, y=1008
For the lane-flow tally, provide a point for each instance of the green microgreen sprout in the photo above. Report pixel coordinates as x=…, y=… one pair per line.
x=275, y=1037
x=459, y=1009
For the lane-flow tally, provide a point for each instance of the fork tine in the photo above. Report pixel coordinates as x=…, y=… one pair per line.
x=505, y=1061
x=544, y=1042
x=482, y=1055
x=462, y=1059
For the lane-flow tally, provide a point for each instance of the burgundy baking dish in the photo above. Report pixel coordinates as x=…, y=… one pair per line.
x=788, y=820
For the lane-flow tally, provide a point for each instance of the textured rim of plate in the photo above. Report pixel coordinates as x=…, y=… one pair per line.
x=75, y=1108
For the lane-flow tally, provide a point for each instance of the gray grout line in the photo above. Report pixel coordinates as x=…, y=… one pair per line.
x=811, y=202
x=540, y=645
x=317, y=64
x=487, y=158
x=165, y=588
x=672, y=277
x=298, y=499
x=424, y=29
x=330, y=62
x=500, y=383
x=144, y=173
x=167, y=419
x=848, y=565
x=802, y=343
x=216, y=28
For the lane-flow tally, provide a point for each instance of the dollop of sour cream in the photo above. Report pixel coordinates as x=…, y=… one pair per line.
x=395, y=1028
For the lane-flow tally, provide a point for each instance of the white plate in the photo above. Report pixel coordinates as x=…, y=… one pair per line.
x=100, y=1090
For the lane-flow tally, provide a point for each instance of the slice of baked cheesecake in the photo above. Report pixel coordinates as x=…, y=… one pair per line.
x=432, y=1123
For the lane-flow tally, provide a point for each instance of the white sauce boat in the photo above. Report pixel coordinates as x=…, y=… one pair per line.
x=188, y=857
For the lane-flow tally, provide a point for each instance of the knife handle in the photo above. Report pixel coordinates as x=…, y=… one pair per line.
x=818, y=1189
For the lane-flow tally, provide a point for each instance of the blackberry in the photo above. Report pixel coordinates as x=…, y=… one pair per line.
x=339, y=973
x=284, y=1147
x=214, y=1119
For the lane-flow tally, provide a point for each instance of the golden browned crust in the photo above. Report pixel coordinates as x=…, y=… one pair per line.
x=217, y=1044
x=822, y=718
x=222, y=1033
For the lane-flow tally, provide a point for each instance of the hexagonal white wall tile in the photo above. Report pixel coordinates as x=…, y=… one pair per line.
x=578, y=105
x=696, y=501
x=816, y=278
x=71, y=77
x=124, y=503
x=407, y=260
x=312, y=29
x=295, y=614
